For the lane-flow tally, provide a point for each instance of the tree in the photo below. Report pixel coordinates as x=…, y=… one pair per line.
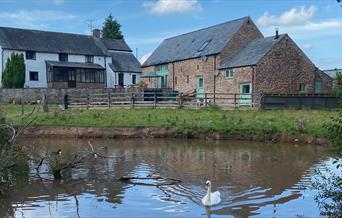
x=111, y=29
x=14, y=73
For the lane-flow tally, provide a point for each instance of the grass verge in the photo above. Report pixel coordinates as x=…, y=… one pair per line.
x=309, y=122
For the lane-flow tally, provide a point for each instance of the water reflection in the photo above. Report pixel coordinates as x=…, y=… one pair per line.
x=254, y=179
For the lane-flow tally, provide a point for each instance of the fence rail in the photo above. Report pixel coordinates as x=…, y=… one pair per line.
x=160, y=99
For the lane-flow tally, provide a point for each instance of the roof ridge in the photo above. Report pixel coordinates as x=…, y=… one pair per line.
x=242, y=18
x=45, y=31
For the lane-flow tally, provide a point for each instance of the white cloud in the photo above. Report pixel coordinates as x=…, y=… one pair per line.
x=33, y=18
x=323, y=25
x=145, y=57
x=294, y=16
x=161, y=7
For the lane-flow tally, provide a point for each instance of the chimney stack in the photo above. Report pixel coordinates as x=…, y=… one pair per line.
x=277, y=34
x=96, y=33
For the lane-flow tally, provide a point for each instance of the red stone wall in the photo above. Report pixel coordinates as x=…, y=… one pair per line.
x=283, y=69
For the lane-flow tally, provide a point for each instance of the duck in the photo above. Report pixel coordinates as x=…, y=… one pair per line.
x=211, y=198
x=59, y=152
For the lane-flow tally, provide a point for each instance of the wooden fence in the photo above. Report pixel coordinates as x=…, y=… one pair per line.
x=160, y=99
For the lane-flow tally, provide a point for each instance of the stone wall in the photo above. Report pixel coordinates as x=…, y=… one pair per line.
x=150, y=82
x=187, y=71
x=284, y=68
x=53, y=95
x=327, y=82
x=232, y=85
x=248, y=32
x=182, y=74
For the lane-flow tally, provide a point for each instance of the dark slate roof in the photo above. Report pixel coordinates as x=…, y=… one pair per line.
x=74, y=65
x=116, y=44
x=252, y=52
x=326, y=75
x=52, y=42
x=332, y=73
x=124, y=62
x=186, y=46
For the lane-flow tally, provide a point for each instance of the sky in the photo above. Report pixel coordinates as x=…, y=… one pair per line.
x=315, y=25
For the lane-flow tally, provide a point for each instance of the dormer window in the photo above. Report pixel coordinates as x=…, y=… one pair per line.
x=205, y=44
x=63, y=57
x=30, y=55
x=89, y=59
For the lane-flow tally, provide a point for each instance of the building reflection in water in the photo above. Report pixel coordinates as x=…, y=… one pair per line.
x=248, y=175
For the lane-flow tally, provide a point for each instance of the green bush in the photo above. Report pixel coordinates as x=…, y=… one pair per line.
x=14, y=73
x=335, y=130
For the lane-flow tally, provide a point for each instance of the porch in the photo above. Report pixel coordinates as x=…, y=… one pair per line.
x=75, y=75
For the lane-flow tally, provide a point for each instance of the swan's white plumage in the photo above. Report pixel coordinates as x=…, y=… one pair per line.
x=210, y=198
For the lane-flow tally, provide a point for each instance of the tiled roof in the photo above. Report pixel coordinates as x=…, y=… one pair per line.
x=124, y=62
x=116, y=44
x=51, y=42
x=74, y=65
x=187, y=46
x=252, y=52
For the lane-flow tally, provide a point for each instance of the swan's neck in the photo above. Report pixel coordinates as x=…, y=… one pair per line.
x=209, y=193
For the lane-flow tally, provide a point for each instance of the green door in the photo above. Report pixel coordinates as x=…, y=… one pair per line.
x=318, y=86
x=245, y=93
x=200, y=87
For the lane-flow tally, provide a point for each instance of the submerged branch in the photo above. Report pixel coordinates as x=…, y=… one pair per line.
x=161, y=180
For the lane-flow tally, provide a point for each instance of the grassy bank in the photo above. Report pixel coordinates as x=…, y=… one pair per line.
x=204, y=120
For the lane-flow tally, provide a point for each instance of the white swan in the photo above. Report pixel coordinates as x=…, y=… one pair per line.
x=211, y=199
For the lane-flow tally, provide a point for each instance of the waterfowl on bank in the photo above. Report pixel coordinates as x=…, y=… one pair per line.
x=59, y=152
x=210, y=198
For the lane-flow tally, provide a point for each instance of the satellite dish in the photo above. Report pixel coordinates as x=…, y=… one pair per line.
x=216, y=72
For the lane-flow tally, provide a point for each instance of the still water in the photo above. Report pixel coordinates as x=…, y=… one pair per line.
x=255, y=180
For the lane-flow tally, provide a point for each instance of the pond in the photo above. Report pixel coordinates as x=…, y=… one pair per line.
x=254, y=179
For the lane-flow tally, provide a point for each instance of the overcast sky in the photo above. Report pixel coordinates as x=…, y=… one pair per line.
x=316, y=25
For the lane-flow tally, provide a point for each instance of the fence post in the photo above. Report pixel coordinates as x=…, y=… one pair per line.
x=66, y=103
x=22, y=111
x=180, y=99
x=109, y=100
x=88, y=101
x=45, y=103
x=262, y=101
x=205, y=100
x=235, y=101
x=132, y=99
x=155, y=99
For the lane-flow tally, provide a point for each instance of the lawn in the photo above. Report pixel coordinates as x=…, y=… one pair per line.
x=310, y=122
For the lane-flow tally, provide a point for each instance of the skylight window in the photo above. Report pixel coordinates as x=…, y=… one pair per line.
x=205, y=44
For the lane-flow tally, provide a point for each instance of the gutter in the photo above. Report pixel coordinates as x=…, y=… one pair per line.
x=173, y=75
x=215, y=78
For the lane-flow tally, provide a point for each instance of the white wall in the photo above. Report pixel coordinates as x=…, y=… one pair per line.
x=39, y=65
x=128, y=78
